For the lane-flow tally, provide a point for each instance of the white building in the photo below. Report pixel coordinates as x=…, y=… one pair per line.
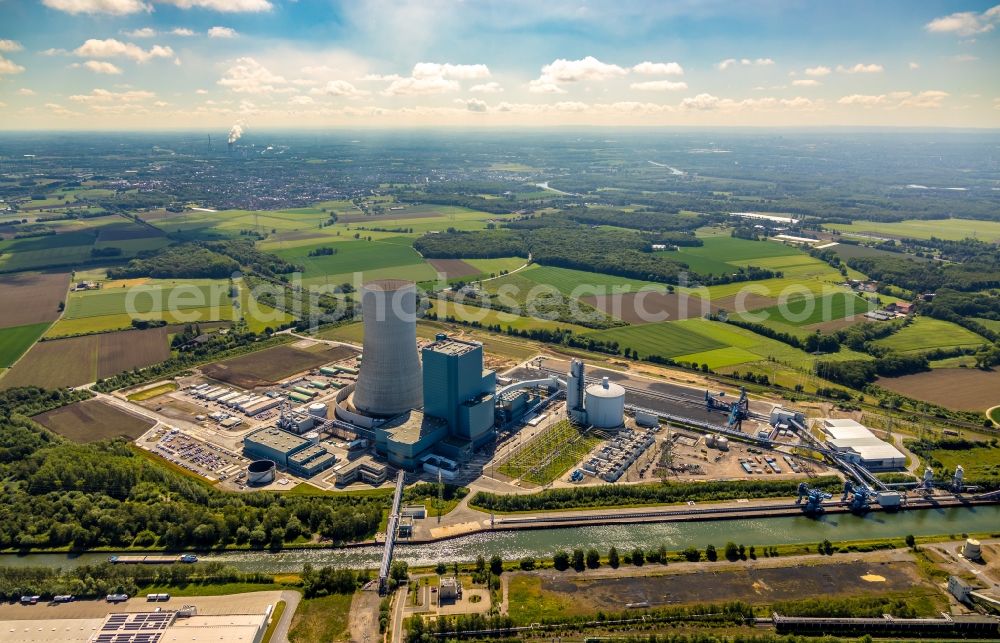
x=859, y=445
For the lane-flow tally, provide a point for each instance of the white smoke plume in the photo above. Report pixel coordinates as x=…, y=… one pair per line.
x=236, y=131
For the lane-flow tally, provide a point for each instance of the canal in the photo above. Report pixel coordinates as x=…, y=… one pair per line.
x=513, y=545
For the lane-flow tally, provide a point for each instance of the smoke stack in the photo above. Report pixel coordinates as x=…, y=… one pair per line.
x=389, y=381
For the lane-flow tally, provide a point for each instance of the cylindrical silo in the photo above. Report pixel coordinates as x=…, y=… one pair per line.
x=605, y=404
x=389, y=381
x=318, y=409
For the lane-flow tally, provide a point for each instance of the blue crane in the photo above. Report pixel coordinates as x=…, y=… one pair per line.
x=814, y=499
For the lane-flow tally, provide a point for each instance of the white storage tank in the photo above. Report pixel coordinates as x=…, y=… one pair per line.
x=312, y=436
x=972, y=550
x=260, y=472
x=318, y=409
x=605, y=404
x=722, y=443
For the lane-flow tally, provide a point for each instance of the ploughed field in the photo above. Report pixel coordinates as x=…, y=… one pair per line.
x=963, y=389
x=93, y=420
x=273, y=364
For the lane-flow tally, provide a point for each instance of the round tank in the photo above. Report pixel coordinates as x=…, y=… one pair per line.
x=710, y=440
x=972, y=549
x=389, y=380
x=312, y=436
x=722, y=443
x=260, y=472
x=605, y=404
x=318, y=409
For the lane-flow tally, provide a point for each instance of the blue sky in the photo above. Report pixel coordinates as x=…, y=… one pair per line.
x=98, y=64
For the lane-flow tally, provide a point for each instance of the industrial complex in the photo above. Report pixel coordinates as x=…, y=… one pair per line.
x=432, y=408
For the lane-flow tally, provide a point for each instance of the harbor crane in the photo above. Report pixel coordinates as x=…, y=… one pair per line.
x=738, y=410
x=814, y=499
x=861, y=496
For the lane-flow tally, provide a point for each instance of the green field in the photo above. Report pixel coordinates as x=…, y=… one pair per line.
x=566, y=280
x=259, y=316
x=488, y=317
x=805, y=311
x=322, y=619
x=954, y=229
x=14, y=341
x=926, y=334
x=549, y=454
x=119, y=321
x=992, y=324
x=154, y=297
x=369, y=257
x=995, y=414
x=666, y=339
x=150, y=393
x=723, y=254
x=495, y=266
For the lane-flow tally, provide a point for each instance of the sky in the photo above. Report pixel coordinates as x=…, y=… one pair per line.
x=197, y=64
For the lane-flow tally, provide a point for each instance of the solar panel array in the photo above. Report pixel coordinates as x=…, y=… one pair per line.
x=145, y=627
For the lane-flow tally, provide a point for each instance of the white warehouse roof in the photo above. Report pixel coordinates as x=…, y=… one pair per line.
x=850, y=436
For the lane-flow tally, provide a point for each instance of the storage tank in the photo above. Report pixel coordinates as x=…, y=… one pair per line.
x=605, y=404
x=260, y=472
x=722, y=443
x=972, y=550
x=389, y=381
x=710, y=440
x=318, y=409
x=312, y=436
x=646, y=419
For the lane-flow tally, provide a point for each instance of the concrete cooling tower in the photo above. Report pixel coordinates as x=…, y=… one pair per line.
x=389, y=381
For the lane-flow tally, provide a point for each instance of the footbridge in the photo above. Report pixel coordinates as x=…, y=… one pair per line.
x=390, y=535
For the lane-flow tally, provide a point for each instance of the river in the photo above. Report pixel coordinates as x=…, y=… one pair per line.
x=512, y=545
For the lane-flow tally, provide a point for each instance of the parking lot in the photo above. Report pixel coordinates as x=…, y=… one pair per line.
x=205, y=459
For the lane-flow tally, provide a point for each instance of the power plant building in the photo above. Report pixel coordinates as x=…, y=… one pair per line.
x=458, y=408
x=294, y=453
x=389, y=381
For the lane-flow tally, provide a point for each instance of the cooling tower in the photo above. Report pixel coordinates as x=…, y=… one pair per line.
x=389, y=381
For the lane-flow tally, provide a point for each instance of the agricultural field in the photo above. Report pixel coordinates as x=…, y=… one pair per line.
x=566, y=280
x=803, y=311
x=953, y=229
x=926, y=333
x=31, y=298
x=259, y=316
x=992, y=324
x=93, y=420
x=73, y=242
x=486, y=317
x=150, y=297
x=15, y=340
x=269, y=366
x=79, y=360
x=962, y=389
x=549, y=454
x=724, y=254
x=666, y=339
x=496, y=266
x=454, y=268
x=154, y=391
x=980, y=463
x=356, y=256
x=353, y=332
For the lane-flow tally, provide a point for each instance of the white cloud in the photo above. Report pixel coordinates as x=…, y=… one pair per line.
x=9, y=67
x=54, y=52
x=538, y=86
x=106, y=96
x=340, y=88
x=925, y=99
x=222, y=32
x=723, y=65
x=24, y=91
x=224, y=6
x=201, y=92
x=806, y=82
x=966, y=23
x=145, y=32
x=10, y=46
x=182, y=31
x=250, y=77
x=819, y=70
x=385, y=77
x=914, y=65
x=964, y=58
x=447, y=70
x=420, y=86
x=708, y=102
x=486, y=88
x=102, y=67
x=861, y=68
x=585, y=69
x=473, y=104
x=301, y=100
x=113, y=7
x=112, y=48
x=658, y=69
x=659, y=86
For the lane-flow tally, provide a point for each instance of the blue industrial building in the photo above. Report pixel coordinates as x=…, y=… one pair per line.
x=458, y=412
x=295, y=454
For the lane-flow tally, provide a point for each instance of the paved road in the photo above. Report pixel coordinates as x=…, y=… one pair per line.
x=292, y=600
x=397, y=614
